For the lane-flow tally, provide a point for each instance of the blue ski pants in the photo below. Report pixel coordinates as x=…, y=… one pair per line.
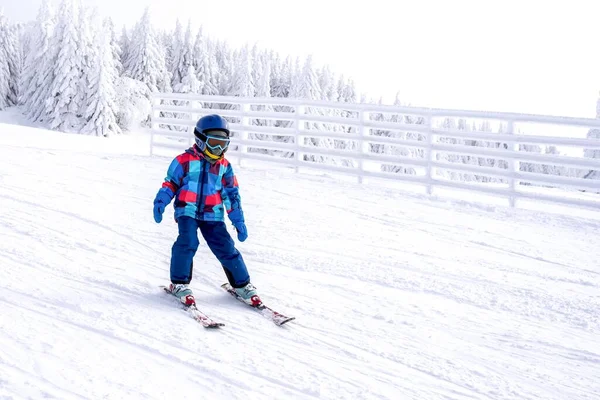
x=220, y=243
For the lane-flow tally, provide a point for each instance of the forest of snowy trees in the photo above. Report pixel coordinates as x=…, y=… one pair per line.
x=72, y=71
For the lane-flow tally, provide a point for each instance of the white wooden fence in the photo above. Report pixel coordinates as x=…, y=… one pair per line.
x=347, y=138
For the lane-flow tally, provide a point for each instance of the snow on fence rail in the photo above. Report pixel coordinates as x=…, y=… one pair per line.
x=488, y=152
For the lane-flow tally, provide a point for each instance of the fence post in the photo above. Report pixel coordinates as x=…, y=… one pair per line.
x=362, y=145
x=245, y=122
x=429, y=173
x=299, y=125
x=513, y=166
x=153, y=125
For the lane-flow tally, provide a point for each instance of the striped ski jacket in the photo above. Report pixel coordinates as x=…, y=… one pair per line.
x=202, y=190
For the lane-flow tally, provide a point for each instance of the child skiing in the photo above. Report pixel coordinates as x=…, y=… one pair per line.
x=204, y=186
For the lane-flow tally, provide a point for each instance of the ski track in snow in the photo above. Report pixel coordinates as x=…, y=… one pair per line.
x=396, y=296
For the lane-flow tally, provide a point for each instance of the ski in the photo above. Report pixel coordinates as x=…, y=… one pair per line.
x=198, y=315
x=267, y=312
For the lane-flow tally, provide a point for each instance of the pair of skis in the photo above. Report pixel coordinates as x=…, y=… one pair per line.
x=207, y=322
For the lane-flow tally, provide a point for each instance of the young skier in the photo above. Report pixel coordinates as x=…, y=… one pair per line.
x=205, y=188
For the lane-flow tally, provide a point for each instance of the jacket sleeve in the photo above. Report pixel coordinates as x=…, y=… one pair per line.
x=230, y=192
x=173, y=180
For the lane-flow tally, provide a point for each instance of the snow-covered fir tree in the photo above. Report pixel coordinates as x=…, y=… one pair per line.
x=281, y=83
x=189, y=83
x=225, y=66
x=89, y=25
x=5, y=76
x=124, y=43
x=23, y=30
x=205, y=65
x=38, y=73
x=64, y=106
x=114, y=44
x=183, y=62
x=146, y=57
x=10, y=63
x=100, y=112
x=263, y=90
x=346, y=90
x=281, y=77
x=175, y=55
x=242, y=83
x=59, y=68
x=307, y=86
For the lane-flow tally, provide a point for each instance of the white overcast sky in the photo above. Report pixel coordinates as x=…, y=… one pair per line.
x=529, y=56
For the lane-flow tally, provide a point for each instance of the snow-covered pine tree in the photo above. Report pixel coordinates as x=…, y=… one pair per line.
x=262, y=72
x=23, y=30
x=65, y=101
x=308, y=83
x=88, y=25
x=263, y=90
x=327, y=83
x=38, y=73
x=15, y=64
x=242, y=84
x=347, y=90
x=225, y=64
x=205, y=65
x=307, y=88
x=5, y=76
x=11, y=57
x=295, y=77
x=189, y=83
x=257, y=64
x=184, y=75
x=281, y=82
x=328, y=92
x=146, y=61
x=198, y=48
x=124, y=43
x=281, y=77
x=175, y=50
x=114, y=44
x=101, y=109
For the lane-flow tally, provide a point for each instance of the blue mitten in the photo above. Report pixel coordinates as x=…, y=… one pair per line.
x=237, y=218
x=160, y=202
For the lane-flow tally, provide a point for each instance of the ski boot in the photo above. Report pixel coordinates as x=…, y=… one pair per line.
x=249, y=295
x=183, y=293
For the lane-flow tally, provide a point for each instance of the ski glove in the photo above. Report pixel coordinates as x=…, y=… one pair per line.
x=237, y=218
x=160, y=202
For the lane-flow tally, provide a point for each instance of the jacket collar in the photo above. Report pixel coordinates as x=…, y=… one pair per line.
x=195, y=150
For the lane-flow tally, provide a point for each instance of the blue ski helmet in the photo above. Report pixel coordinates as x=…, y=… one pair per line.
x=212, y=122
x=212, y=136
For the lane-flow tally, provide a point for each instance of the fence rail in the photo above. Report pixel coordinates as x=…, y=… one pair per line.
x=408, y=144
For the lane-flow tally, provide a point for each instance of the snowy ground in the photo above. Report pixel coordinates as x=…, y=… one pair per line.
x=396, y=296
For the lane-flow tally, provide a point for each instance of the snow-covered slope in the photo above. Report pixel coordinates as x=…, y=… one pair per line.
x=396, y=296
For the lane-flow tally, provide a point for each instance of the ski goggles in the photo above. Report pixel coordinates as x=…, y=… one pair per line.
x=216, y=141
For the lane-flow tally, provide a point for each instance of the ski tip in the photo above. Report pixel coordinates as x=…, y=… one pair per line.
x=285, y=321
